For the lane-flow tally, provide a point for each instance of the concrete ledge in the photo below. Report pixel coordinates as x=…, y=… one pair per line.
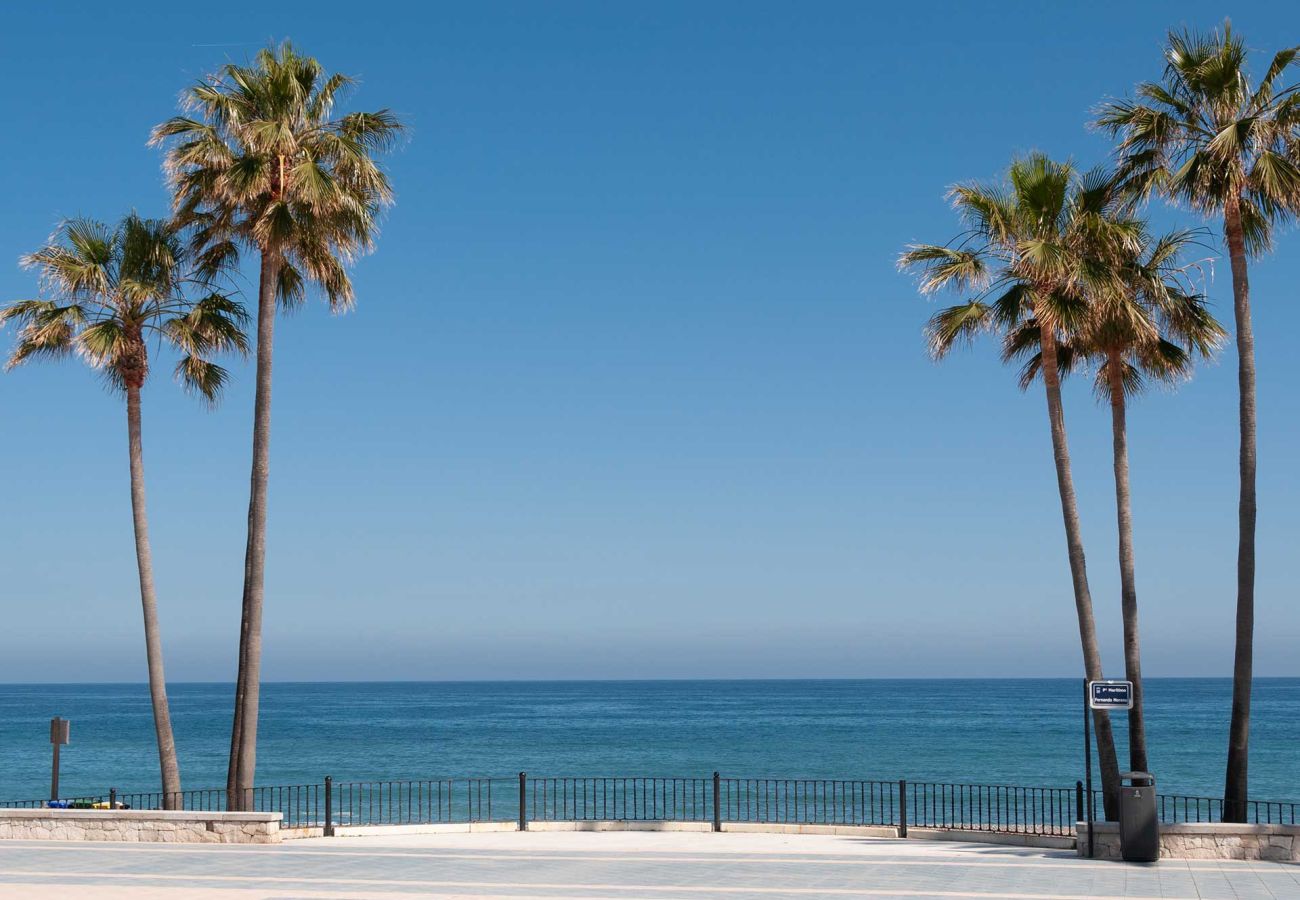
x=976, y=836
x=879, y=831
x=616, y=825
x=162, y=815
x=1203, y=840
x=1053, y=842
x=264, y=828
x=140, y=825
x=428, y=828
x=306, y=831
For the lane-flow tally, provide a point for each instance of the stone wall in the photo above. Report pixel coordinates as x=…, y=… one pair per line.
x=140, y=825
x=1204, y=840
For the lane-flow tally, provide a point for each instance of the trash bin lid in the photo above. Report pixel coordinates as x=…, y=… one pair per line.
x=1139, y=779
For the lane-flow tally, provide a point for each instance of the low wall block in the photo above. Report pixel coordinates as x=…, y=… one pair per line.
x=1203, y=840
x=140, y=825
x=871, y=831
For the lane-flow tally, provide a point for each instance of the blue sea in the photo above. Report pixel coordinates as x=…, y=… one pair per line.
x=1024, y=732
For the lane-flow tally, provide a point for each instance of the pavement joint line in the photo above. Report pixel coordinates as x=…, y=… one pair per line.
x=640, y=857
x=958, y=857
x=255, y=881
x=614, y=856
x=263, y=893
x=30, y=889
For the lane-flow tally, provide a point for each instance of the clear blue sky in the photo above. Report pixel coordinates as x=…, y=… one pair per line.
x=633, y=388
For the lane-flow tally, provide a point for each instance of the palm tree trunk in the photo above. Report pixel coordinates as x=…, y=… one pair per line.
x=243, y=760
x=170, y=768
x=1078, y=571
x=1236, y=790
x=1137, y=735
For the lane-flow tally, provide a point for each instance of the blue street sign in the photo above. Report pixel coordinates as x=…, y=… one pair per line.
x=1110, y=694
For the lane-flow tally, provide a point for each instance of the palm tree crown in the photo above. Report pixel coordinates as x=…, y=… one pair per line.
x=114, y=288
x=265, y=166
x=1204, y=137
x=1032, y=250
x=1147, y=322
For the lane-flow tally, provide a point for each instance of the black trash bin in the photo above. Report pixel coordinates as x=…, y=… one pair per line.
x=1139, y=826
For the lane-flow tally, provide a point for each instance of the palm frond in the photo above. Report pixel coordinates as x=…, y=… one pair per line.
x=1041, y=186
x=945, y=267
x=1201, y=138
x=1275, y=179
x=1164, y=360
x=988, y=210
x=1010, y=308
x=1256, y=226
x=376, y=131
x=1067, y=360
x=1131, y=379
x=215, y=324
x=103, y=342
x=202, y=378
x=290, y=291
x=957, y=324
x=1264, y=94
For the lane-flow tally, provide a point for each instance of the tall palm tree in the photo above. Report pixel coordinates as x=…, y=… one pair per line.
x=113, y=289
x=1145, y=326
x=1202, y=137
x=1024, y=256
x=263, y=166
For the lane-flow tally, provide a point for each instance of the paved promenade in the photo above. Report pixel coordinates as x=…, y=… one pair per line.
x=588, y=866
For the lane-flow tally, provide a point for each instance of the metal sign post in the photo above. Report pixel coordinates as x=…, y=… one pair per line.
x=59, y=729
x=1087, y=763
x=1099, y=695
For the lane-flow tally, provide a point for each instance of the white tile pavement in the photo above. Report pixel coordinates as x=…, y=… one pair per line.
x=594, y=866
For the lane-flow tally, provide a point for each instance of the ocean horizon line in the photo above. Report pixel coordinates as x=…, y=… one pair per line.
x=681, y=680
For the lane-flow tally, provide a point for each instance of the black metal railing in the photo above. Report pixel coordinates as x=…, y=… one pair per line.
x=204, y=800
x=425, y=802
x=300, y=805
x=633, y=799
x=86, y=802
x=992, y=807
x=1177, y=808
x=900, y=804
x=1181, y=808
x=809, y=801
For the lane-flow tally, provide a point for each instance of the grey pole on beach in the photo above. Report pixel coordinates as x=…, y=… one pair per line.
x=54, y=775
x=59, y=728
x=1087, y=765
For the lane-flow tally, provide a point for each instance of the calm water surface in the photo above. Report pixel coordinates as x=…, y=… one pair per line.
x=1006, y=731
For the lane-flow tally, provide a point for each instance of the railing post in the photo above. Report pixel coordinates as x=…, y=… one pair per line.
x=328, y=831
x=112, y=799
x=1078, y=801
x=717, y=802
x=902, y=807
x=523, y=807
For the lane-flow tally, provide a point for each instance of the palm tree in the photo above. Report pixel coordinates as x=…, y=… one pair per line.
x=113, y=289
x=1203, y=138
x=1024, y=257
x=1145, y=327
x=263, y=166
